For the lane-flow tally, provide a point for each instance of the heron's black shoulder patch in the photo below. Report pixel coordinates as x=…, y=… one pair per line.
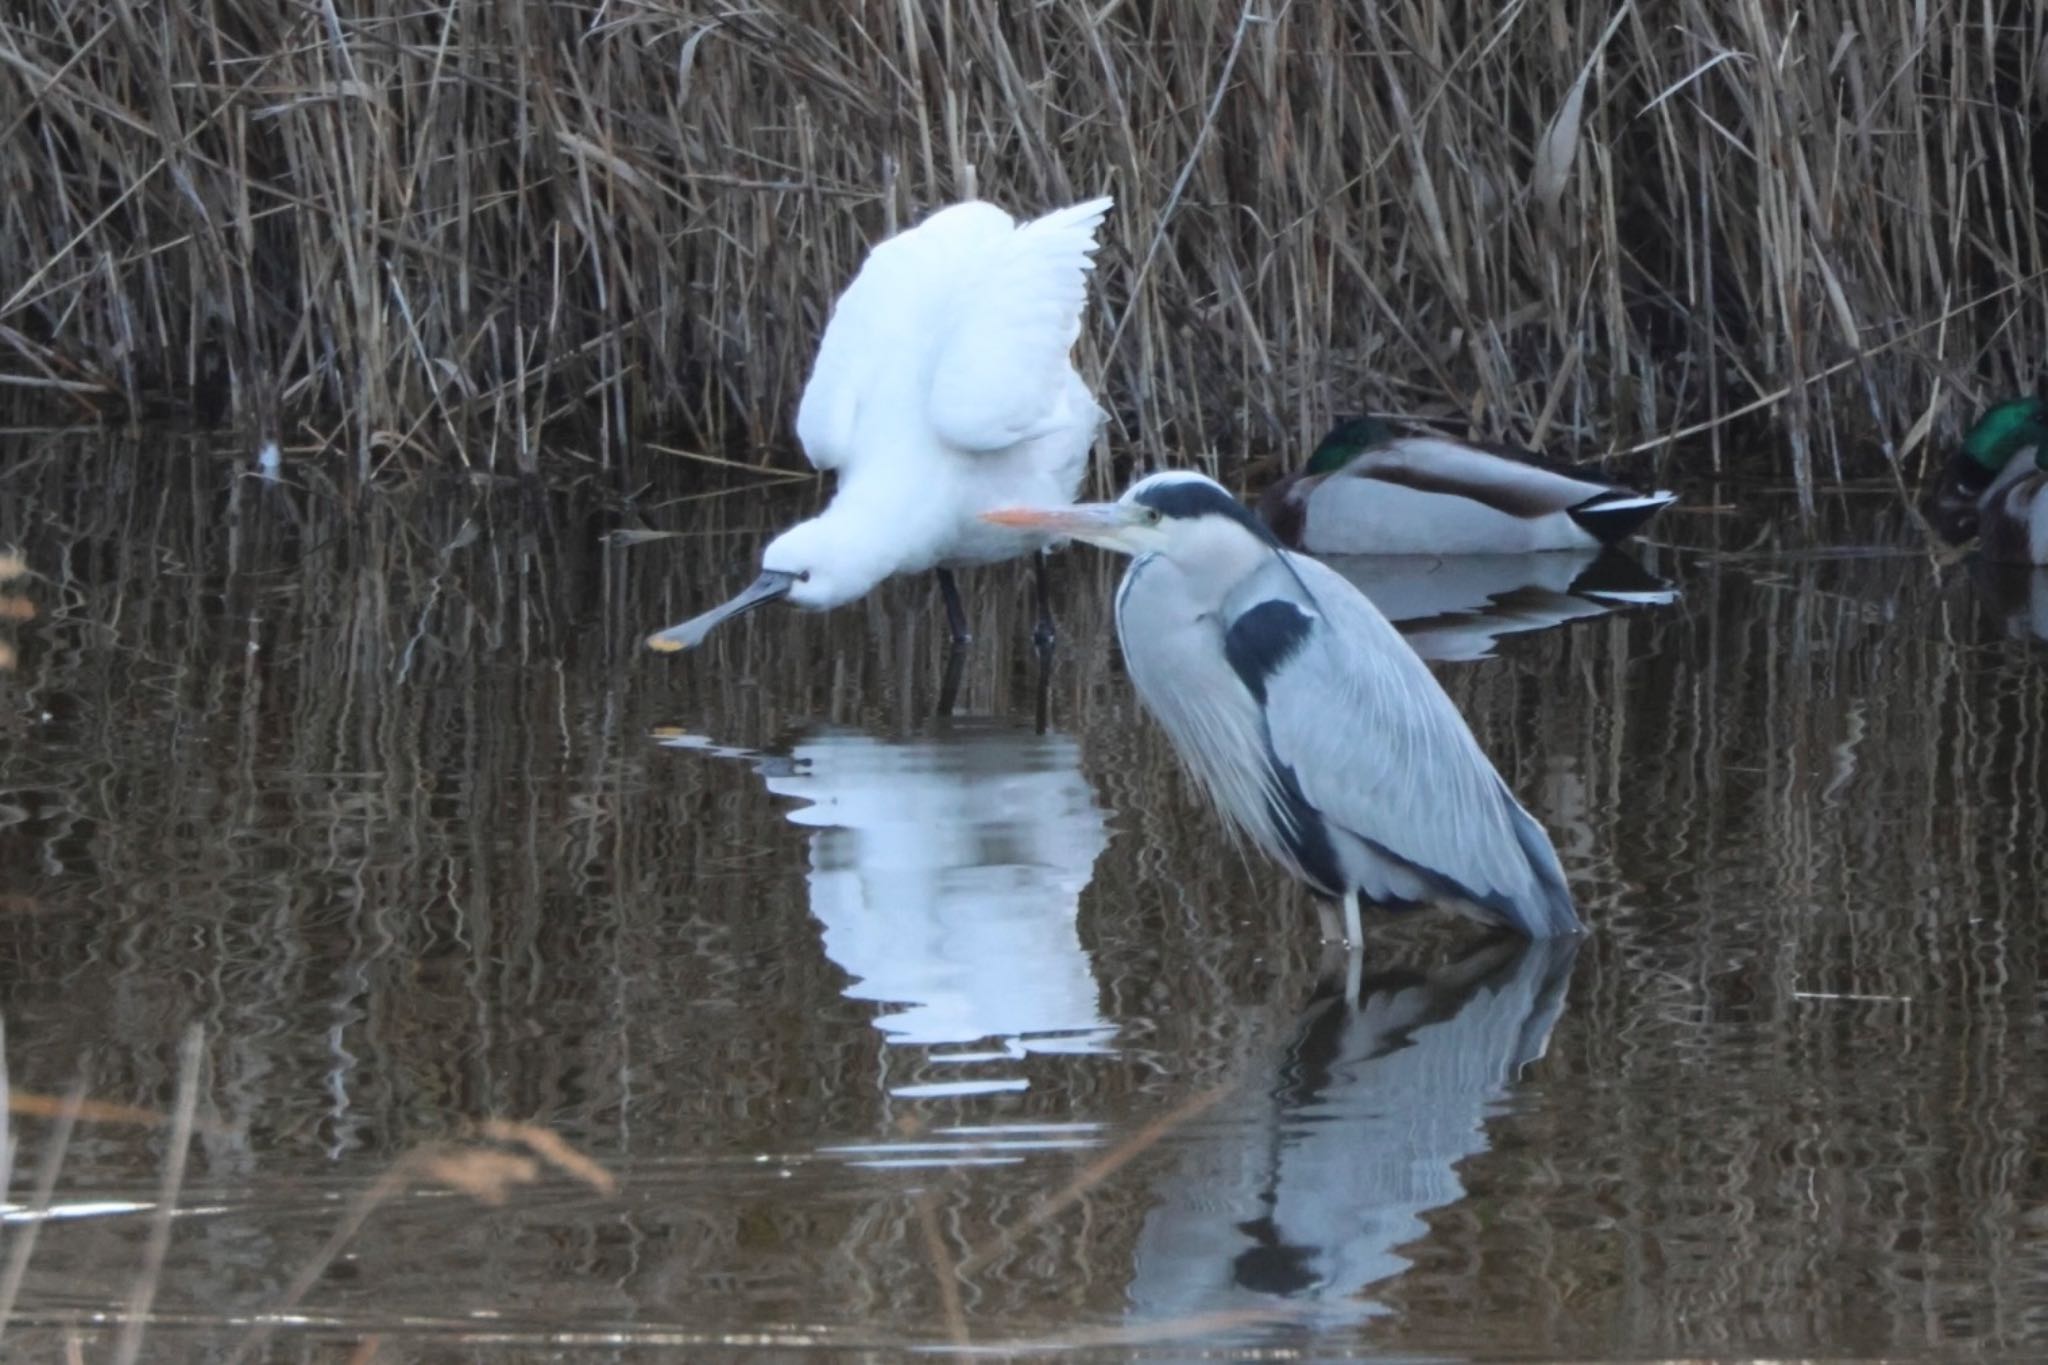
x=1201, y=498
x=1263, y=639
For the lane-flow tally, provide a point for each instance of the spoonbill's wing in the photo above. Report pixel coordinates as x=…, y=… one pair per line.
x=957, y=330
x=1002, y=368
x=1375, y=745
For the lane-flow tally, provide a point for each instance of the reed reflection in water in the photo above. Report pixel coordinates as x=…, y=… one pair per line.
x=371, y=796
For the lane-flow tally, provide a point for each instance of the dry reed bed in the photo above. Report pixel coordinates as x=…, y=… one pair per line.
x=469, y=231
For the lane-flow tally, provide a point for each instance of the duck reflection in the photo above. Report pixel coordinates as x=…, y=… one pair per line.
x=946, y=872
x=2015, y=594
x=1457, y=607
x=1305, y=1191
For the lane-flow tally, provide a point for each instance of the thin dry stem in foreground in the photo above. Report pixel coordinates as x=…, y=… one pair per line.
x=1092, y=1175
x=455, y=233
x=486, y=1174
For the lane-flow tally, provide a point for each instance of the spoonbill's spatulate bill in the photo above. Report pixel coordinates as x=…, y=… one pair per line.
x=944, y=387
x=1992, y=486
x=1368, y=490
x=1309, y=721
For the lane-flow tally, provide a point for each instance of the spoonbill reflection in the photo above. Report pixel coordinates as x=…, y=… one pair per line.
x=946, y=873
x=1310, y=723
x=1306, y=1188
x=1456, y=608
x=1370, y=490
x=944, y=386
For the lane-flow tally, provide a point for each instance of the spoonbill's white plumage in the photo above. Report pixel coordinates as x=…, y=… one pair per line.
x=944, y=387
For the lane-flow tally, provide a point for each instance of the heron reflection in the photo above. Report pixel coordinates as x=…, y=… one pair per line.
x=1305, y=1190
x=945, y=872
x=1456, y=608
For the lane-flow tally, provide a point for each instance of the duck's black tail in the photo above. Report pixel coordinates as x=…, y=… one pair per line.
x=1610, y=516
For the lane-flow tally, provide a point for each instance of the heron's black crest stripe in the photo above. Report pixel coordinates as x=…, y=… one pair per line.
x=1262, y=640
x=1200, y=498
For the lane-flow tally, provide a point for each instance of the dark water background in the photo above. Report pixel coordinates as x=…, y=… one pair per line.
x=393, y=807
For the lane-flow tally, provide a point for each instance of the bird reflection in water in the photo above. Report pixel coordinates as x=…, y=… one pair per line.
x=2014, y=595
x=1456, y=608
x=1303, y=1190
x=946, y=872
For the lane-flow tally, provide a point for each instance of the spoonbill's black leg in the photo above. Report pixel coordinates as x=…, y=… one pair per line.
x=949, y=684
x=1043, y=635
x=956, y=615
x=1044, y=687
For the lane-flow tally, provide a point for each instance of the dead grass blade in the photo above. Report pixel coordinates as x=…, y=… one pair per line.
x=135, y=1314
x=944, y=1272
x=58, y=1107
x=24, y=1246
x=1093, y=1174
x=551, y=1148
x=485, y=1174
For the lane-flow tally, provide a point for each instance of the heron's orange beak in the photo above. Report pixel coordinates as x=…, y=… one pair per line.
x=1107, y=524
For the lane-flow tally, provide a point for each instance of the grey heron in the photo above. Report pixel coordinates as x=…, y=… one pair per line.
x=1370, y=490
x=1306, y=718
x=944, y=386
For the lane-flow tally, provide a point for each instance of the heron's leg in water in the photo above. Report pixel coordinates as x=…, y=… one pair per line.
x=1345, y=928
x=1043, y=635
x=1327, y=922
x=956, y=615
x=1342, y=933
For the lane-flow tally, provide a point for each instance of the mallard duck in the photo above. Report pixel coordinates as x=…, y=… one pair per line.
x=1987, y=491
x=1370, y=490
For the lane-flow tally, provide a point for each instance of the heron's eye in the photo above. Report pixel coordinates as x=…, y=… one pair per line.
x=803, y=575
x=1153, y=516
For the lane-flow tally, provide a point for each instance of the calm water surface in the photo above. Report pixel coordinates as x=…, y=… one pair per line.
x=901, y=1031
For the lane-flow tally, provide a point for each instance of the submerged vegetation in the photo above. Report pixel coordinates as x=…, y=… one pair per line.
x=468, y=232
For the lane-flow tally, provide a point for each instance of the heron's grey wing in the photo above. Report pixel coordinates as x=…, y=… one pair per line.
x=1001, y=373
x=1371, y=741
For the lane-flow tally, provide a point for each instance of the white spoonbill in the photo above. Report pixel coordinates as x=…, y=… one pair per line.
x=944, y=388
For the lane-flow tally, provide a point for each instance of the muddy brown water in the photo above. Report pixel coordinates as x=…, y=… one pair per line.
x=899, y=1031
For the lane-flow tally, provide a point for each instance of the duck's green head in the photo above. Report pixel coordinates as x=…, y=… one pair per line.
x=1346, y=441
x=2006, y=430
